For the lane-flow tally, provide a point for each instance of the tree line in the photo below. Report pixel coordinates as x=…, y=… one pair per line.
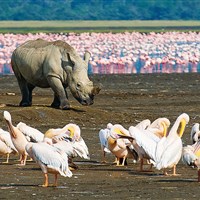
x=99, y=10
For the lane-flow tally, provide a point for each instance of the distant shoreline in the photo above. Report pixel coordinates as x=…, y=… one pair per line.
x=115, y=26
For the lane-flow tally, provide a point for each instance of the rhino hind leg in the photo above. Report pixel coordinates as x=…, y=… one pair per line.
x=26, y=91
x=30, y=90
x=27, y=96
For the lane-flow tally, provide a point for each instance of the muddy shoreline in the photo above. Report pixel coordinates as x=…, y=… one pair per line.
x=124, y=99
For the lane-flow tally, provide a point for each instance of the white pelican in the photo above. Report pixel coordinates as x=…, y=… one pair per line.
x=173, y=145
x=155, y=130
x=195, y=133
x=159, y=126
x=50, y=159
x=6, y=145
x=32, y=134
x=121, y=148
x=71, y=147
x=166, y=152
x=143, y=124
x=103, y=137
x=72, y=130
x=69, y=140
x=191, y=156
x=17, y=137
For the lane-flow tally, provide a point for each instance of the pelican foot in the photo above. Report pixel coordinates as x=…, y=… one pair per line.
x=44, y=185
x=20, y=164
x=72, y=168
x=6, y=162
x=120, y=165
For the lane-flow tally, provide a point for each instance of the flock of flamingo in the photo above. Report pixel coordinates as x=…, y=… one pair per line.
x=121, y=53
x=154, y=142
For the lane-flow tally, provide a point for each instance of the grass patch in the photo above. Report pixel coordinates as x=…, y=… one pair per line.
x=96, y=26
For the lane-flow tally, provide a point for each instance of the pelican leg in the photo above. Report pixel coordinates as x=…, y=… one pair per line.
x=56, y=180
x=20, y=158
x=23, y=160
x=46, y=182
x=198, y=175
x=31, y=159
x=141, y=164
x=115, y=161
x=103, y=156
x=151, y=165
x=165, y=172
x=118, y=161
x=7, y=158
x=123, y=162
x=174, y=170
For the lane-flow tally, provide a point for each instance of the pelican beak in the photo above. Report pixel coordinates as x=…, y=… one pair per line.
x=125, y=137
x=165, y=127
x=182, y=128
x=71, y=132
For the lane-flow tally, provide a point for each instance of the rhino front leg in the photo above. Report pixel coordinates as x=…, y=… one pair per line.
x=60, y=98
x=56, y=102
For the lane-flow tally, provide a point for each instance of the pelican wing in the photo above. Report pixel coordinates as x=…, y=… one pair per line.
x=4, y=149
x=144, y=141
x=103, y=137
x=81, y=149
x=171, y=155
x=188, y=155
x=159, y=149
x=30, y=132
x=121, y=143
x=74, y=149
x=195, y=133
x=143, y=124
x=5, y=137
x=66, y=147
x=52, y=157
x=195, y=148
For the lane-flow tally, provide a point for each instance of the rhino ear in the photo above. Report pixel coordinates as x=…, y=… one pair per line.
x=71, y=59
x=87, y=56
x=67, y=63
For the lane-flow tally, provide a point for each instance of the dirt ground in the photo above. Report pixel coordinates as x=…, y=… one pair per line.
x=124, y=99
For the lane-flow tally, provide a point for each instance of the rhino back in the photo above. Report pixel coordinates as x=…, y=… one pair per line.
x=37, y=59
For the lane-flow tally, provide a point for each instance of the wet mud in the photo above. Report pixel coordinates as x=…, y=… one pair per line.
x=124, y=99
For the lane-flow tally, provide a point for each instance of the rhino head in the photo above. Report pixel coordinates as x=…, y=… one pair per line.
x=77, y=75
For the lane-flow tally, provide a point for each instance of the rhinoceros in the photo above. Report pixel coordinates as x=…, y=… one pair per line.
x=40, y=63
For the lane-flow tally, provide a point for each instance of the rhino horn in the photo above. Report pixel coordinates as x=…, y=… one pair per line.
x=96, y=90
x=87, y=56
